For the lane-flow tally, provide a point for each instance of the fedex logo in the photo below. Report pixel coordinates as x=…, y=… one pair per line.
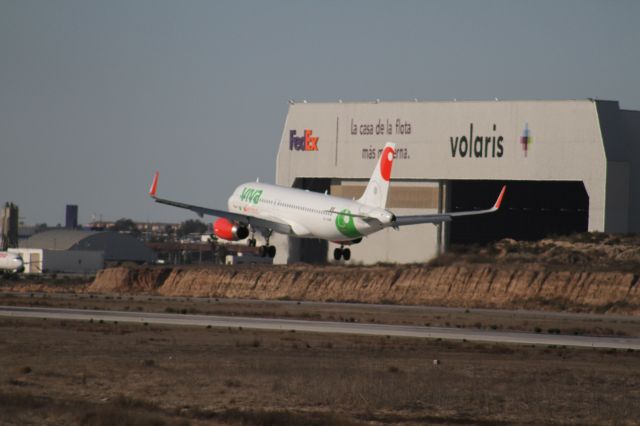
x=303, y=143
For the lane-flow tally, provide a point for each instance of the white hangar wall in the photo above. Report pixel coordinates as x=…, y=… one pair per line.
x=439, y=142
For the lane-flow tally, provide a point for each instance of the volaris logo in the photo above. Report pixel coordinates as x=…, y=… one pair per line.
x=487, y=145
x=526, y=139
x=251, y=195
x=346, y=225
x=303, y=143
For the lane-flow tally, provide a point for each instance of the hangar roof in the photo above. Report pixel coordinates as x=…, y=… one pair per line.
x=57, y=239
x=416, y=100
x=116, y=246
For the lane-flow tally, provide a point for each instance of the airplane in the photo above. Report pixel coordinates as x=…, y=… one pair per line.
x=304, y=214
x=11, y=263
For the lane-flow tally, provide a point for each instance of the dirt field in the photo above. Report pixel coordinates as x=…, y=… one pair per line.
x=99, y=373
x=66, y=372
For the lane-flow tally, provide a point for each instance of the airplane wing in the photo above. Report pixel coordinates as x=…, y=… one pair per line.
x=282, y=228
x=444, y=217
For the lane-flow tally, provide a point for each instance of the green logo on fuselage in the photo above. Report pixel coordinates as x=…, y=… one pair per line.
x=251, y=195
x=346, y=225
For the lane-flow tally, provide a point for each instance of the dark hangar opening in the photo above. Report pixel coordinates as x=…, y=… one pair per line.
x=313, y=250
x=531, y=210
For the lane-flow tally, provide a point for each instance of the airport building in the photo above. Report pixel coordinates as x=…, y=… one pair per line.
x=569, y=166
x=79, y=251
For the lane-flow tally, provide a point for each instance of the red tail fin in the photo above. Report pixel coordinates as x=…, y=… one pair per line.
x=496, y=206
x=154, y=185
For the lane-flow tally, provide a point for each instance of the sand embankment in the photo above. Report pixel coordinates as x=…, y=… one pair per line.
x=590, y=272
x=526, y=286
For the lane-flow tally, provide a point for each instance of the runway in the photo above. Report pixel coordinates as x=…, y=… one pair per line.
x=351, y=305
x=275, y=324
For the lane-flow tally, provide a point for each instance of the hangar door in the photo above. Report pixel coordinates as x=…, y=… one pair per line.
x=531, y=210
x=312, y=250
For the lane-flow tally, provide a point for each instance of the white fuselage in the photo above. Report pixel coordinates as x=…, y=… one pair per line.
x=11, y=262
x=310, y=214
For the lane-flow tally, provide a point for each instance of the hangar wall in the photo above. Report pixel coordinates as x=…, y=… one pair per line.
x=631, y=122
x=437, y=142
x=38, y=261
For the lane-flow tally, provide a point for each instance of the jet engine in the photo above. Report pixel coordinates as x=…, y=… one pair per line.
x=229, y=231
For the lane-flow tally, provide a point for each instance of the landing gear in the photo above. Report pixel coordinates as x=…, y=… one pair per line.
x=252, y=239
x=265, y=250
x=342, y=252
x=346, y=254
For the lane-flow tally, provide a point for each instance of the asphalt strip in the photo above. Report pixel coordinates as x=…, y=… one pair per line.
x=276, y=324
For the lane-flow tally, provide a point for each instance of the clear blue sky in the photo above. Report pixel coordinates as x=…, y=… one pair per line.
x=96, y=95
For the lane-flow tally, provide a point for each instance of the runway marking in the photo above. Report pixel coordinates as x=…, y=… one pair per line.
x=275, y=324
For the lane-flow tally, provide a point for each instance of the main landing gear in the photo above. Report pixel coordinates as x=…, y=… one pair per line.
x=342, y=252
x=266, y=250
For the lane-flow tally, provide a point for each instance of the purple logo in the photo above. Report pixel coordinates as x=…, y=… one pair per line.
x=303, y=143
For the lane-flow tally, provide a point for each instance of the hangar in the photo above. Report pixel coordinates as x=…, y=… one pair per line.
x=80, y=251
x=569, y=166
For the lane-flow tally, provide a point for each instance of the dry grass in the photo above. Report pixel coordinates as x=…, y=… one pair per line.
x=575, y=253
x=99, y=374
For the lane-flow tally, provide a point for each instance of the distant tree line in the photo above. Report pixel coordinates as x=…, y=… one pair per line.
x=126, y=226
x=191, y=226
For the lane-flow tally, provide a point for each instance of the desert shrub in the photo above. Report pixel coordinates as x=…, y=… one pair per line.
x=445, y=259
x=232, y=383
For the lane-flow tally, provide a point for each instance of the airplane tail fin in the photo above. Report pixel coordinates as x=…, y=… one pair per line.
x=378, y=187
x=154, y=185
